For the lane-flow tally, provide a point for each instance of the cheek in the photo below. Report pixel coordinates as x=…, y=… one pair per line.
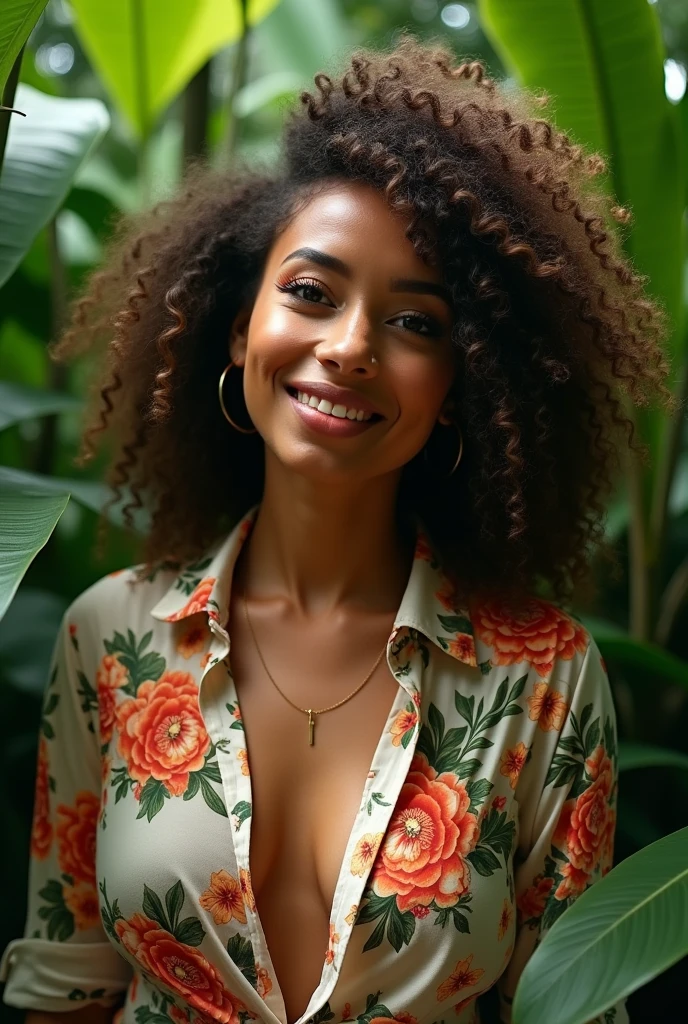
x=422, y=385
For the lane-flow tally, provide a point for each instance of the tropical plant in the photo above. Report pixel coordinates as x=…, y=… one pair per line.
x=580, y=54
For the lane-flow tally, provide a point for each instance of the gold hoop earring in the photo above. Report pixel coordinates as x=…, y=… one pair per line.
x=458, y=458
x=220, y=386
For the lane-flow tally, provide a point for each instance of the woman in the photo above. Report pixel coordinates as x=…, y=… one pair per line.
x=373, y=400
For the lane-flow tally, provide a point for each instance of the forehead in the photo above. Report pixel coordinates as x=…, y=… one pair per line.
x=354, y=221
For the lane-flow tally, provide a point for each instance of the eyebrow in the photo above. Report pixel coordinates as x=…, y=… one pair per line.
x=400, y=284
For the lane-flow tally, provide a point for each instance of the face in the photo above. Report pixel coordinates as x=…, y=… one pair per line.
x=348, y=321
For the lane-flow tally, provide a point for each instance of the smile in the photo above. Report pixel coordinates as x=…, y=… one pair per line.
x=336, y=421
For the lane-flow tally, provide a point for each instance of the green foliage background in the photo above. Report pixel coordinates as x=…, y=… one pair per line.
x=224, y=93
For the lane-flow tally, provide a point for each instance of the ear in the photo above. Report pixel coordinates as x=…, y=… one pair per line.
x=447, y=416
x=238, y=334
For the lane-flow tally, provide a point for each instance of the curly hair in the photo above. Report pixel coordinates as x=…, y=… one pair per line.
x=555, y=334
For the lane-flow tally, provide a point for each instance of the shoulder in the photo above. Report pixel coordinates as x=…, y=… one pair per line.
x=539, y=635
x=123, y=599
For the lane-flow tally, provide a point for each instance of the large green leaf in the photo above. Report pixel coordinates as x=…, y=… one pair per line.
x=619, y=934
x=18, y=403
x=603, y=66
x=18, y=18
x=643, y=755
x=147, y=50
x=28, y=516
x=44, y=151
x=617, y=645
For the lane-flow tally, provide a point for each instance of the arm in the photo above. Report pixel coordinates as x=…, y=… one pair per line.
x=65, y=962
x=568, y=810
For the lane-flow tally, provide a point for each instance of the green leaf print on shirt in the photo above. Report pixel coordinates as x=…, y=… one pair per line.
x=241, y=952
x=139, y=665
x=400, y=889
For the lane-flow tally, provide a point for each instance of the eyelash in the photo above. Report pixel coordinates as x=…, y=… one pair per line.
x=292, y=287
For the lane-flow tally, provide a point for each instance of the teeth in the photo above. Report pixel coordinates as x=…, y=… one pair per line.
x=340, y=411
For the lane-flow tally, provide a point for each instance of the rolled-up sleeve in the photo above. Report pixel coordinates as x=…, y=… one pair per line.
x=65, y=958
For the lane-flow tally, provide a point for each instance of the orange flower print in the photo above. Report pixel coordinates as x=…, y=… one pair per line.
x=574, y=882
x=423, y=856
x=346, y=1012
x=242, y=756
x=537, y=633
x=585, y=830
x=531, y=903
x=547, y=707
x=504, y=920
x=446, y=594
x=403, y=723
x=182, y=968
x=461, y=977
x=402, y=1016
x=499, y=803
x=111, y=675
x=263, y=981
x=365, y=852
x=41, y=827
x=463, y=647
x=423, y=550
x=193, y=639
x=224, y=898
x=334, y=939
x=247, y=889
x=512, y=763
x=82, y=900
x=351, y=916
x=161, y=732
x=197, y=601
x=76, y=837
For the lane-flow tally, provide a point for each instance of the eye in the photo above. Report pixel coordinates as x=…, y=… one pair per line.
x=419, y=323
x=309, y=288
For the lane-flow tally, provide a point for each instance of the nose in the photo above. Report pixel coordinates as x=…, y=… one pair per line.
x=349, y=344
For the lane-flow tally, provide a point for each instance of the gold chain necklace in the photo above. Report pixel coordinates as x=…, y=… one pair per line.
x=311, y=712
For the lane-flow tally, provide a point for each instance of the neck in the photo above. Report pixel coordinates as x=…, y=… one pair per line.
x=326, y=548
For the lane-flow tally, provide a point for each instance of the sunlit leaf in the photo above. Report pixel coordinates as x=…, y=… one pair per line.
x=148, y=50
x=603, y=66
x=17, y=19
x=619, y=934
x=44, y=151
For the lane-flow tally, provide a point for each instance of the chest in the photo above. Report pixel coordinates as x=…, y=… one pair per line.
x=306, y=796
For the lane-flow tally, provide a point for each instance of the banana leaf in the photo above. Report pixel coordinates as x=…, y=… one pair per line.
x=618, y=935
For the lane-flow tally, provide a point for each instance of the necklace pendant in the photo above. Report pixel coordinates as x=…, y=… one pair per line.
x=311, y=728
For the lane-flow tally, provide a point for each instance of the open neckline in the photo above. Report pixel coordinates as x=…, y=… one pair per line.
x=347, y=883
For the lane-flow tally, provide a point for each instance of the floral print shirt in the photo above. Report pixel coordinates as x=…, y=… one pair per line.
x=488, y=808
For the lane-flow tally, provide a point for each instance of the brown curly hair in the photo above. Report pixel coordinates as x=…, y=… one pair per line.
x=554, y=331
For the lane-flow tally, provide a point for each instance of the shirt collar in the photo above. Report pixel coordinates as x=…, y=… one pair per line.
x=429, y=604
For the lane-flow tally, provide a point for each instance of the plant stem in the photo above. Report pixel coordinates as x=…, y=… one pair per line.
x=8, y=101
x=196, y=113
x=57, y=372
x=659, y=521
x=639, y=611
x=238, y=79
x=672, y=600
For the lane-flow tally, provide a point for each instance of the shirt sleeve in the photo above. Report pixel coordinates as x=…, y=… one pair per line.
x=65, y=958
x=570, y=814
